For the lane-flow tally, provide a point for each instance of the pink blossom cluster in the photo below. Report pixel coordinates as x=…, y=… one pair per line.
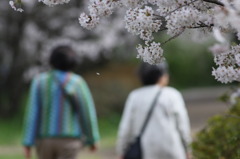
x=228, y=63
x=151, y=53
x=97, y=9
x=141, y=22
x=54, y=2
x=15, y=6
x=146, y=17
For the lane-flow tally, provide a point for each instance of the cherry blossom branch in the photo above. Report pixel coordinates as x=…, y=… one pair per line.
x=181, y=7
x=214, y=2
x=163, y=29
x=173, y=37
x=16, y=5
x=201, y=25
x=161, y=17
x=197, y=27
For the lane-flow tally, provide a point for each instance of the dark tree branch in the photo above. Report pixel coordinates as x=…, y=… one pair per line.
x=182, y=7
x=214, y=2
x=170, y=12
x=173, y=37
x=163, y=28
x=197, y=27
x=201, y=25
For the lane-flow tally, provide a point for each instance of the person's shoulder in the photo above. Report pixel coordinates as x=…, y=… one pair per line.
x=76, y=78
x=172, y=91
x=41, y=76
x=142, y=91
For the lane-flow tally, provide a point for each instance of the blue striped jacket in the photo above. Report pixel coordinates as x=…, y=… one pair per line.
x=50, y=115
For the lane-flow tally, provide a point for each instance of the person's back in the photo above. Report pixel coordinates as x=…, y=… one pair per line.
x=52, y=121
x=167, y=134
x=55, y=112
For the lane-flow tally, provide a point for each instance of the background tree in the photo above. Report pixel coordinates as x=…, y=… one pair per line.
x=144, y=17
x=26, y=39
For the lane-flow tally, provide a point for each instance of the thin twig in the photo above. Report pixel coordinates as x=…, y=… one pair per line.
x=160, y=17
x=181, y=7
x=200, y=26
x=197, y=27
x=214, y=2
x=174, y=37
x=163, y=29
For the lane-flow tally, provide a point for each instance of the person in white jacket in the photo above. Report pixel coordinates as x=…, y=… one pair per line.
x=167, y=135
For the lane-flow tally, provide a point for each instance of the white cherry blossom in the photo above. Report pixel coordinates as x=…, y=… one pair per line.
x=87, y=21
x=142, y=22
x=237, y=58
x=54, y=2
x=144, y=18
x=226, y=74
x=181, y=19
x=133, y=3
x=151, y=53
x=13, y=6
x=219, y=49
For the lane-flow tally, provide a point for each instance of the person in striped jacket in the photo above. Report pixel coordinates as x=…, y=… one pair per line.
x=52, y=124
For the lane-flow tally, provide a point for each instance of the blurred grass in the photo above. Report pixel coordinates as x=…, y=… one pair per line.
x=11, y=132
x=11, y=157
x=108, y=129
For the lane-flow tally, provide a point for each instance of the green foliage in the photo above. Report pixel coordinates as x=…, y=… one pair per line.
x=190, y=64
x=220, y=139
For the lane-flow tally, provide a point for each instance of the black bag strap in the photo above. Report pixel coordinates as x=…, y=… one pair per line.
x=63, y=90
x=149, y=114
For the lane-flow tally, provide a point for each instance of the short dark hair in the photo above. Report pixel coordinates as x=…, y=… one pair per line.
x=150, y=74
x=63, y=58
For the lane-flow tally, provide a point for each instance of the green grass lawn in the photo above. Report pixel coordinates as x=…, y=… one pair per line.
x=11, y=157
x=11, y=131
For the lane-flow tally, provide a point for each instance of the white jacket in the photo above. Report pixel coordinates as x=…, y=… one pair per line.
x=167, y=134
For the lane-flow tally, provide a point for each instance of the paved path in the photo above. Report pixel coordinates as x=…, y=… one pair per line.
x=204, y=103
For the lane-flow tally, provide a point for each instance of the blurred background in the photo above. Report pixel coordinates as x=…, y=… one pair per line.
x=107, y=61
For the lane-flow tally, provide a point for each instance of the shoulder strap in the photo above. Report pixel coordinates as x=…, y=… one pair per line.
x=149, y=114
x=65, y=94
x=75, y=107
x=60, y=84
